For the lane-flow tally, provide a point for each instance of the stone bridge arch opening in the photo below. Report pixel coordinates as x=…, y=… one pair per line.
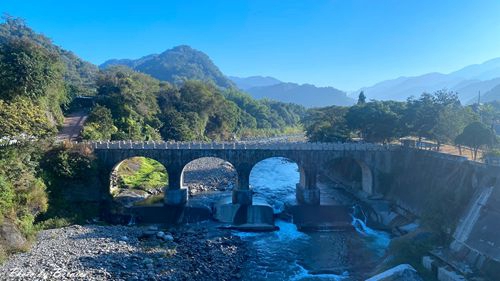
x=208, y=175
x=352, y=173
x=275, y=180
x=138, y=181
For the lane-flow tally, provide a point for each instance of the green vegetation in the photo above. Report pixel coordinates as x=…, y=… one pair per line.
x=134, y=106
x=23, y=193
x=409, y=249
x=142, y=173
x=69, y=171
x=327, y=124
x=79, y=76
x=475, y=136
x=438, y=117
x=99, y=125
x=36, y=83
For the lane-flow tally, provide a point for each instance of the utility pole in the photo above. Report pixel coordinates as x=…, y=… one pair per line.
x=479, y=107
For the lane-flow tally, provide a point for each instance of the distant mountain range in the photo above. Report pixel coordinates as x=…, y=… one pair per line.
x=467, y=82
x=184, y=62
x=175, y=65
x=254, y=81
x=306, y=94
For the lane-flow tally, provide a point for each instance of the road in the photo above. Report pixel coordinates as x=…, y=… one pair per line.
x=72, y=126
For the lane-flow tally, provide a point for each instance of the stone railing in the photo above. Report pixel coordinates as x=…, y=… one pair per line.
x=98, y=145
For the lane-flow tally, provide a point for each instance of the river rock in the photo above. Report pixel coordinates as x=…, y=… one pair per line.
x=402, y=272
x=10, y=236
x=94, y=252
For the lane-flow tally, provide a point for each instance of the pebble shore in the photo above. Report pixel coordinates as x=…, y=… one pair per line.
x=95, y=252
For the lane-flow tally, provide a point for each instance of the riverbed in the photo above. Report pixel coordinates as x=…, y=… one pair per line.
x=288, y=254
x=201, y=251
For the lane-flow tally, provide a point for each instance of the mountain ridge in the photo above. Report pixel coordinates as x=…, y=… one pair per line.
x=307, y=95
x=467, y=82
x=176, y=65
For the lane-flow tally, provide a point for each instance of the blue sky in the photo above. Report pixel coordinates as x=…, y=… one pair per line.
x=342, y=43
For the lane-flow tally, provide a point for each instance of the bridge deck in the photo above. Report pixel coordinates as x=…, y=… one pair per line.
x=240, y=145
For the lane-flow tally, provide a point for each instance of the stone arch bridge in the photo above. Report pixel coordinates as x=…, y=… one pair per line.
x=310, y=158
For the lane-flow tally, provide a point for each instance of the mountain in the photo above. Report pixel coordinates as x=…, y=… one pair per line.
x=176, y=65
x=467, y=82
x=404, y=87
x=246, y=83
x=79, y=75
x=484, y=71
x=491, y=95
x=470, y=91
x=306, y=94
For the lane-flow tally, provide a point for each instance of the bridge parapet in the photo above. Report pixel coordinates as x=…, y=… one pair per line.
x=100, y=145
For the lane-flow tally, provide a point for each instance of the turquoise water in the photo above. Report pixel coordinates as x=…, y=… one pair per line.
x=289, y=254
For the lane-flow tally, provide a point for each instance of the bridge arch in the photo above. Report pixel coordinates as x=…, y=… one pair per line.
x=352, y=172
x=203, y=171
x=136, y=179
x=276, y=177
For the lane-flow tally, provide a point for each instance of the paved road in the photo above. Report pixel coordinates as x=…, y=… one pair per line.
x=72, y=126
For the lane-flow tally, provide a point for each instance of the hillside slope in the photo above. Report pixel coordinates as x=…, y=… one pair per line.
x=176, y=65
x=306, y=94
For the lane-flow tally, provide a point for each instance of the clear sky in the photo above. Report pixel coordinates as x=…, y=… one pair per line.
x=342, y=43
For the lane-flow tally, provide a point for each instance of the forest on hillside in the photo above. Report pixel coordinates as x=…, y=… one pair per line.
x=39, y=83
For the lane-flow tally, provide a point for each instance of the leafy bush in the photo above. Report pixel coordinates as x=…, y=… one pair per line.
x=66, y=167
x=7, y=197
x=55, y=222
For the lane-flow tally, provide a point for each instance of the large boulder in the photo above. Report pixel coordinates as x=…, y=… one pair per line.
x=10, y=236
x=402, y=272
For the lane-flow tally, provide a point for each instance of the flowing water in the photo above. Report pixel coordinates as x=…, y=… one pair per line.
x=289, y=254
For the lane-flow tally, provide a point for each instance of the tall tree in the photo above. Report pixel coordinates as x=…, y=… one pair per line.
x=99, y=125
x=361, y=98
x=376, y=121
x=475, y=136
x=327, y=124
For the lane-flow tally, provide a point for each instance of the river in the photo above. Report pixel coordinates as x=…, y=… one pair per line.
x=288, y=254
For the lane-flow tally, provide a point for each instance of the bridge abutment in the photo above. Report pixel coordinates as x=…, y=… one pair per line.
x=175, y=193
x=242, y=196
x=176, y=196
x=306, y=191
x=307, y=196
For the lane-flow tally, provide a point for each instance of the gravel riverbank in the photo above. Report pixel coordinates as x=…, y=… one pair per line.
x=209, y=174
x=94, y=252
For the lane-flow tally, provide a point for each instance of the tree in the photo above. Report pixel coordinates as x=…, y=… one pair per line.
x=327, y=124
x=79, y=76
x=27, y=70
x=361, y=98
x=23, y=119
x=132, y=99
x=376, y=121
x=451, y=121
x=99, y=125
x=476, y=135
x=436, y=116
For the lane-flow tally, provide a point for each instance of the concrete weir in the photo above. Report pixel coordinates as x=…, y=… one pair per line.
x=259, y=216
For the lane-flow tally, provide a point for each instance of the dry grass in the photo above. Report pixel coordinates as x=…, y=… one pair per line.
x=451, y=149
